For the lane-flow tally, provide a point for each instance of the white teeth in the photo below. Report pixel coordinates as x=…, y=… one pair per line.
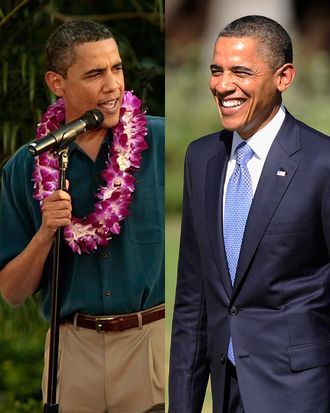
x=231, y=103
x=110, y=104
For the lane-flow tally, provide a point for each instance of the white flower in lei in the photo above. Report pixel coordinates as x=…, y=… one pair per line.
x=114, y=198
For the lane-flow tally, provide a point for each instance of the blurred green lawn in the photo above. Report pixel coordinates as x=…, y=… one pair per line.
x=172, y=247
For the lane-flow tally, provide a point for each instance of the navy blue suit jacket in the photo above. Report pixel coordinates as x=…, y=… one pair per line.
x=278, y=312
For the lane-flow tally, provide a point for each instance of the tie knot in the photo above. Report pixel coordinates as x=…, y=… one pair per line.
x=243, y=153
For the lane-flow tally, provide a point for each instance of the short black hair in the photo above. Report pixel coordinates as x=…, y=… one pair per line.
x=60, y=47
x=276, y=42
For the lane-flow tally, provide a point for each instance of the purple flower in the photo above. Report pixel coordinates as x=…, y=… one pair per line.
x=83, y=235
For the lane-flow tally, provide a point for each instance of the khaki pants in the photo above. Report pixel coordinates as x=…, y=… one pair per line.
x=114, y=372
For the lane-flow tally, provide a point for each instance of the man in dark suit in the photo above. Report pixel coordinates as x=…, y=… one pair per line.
x=253, y=290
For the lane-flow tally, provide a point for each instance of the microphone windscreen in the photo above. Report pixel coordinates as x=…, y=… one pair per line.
x=93, y=118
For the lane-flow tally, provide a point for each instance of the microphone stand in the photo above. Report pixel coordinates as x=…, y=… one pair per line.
x=51, y=406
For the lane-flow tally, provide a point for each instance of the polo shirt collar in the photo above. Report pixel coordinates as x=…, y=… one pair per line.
x=106, y=141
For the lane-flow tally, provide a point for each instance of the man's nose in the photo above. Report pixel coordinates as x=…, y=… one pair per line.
x=225, y=83
x=110, y=82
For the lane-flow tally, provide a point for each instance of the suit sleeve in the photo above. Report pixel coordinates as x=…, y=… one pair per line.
x=188, y=364
x=326, y=216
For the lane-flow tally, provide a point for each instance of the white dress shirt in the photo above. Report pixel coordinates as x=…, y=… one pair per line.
x=260, y=142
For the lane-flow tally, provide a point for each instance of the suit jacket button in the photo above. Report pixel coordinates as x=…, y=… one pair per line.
x=222, y=359
x=233, y=310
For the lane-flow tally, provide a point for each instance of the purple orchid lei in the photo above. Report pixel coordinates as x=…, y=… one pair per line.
x=114, y=198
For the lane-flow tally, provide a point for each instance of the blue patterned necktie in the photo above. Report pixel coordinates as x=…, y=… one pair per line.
x=237, y=205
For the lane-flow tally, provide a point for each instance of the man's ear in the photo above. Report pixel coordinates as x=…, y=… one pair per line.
x=55, y=83
x=286, y=74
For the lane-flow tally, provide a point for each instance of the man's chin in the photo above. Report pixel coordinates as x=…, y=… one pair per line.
x=110, y=121
x=231, y=125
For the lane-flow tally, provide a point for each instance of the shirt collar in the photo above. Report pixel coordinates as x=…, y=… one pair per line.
x=106, y=141
x=262, y=140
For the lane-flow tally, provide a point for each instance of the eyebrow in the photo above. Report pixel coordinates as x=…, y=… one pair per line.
x=214, y=66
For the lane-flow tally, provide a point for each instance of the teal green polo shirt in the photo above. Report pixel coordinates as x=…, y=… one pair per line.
x=126, y=276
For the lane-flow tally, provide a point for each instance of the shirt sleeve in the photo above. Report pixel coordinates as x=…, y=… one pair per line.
x=19, y=212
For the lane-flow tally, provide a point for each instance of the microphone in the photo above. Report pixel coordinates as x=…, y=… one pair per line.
x=65, y=134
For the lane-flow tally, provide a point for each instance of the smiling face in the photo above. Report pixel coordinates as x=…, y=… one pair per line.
x=247, y=91
x=94, y=80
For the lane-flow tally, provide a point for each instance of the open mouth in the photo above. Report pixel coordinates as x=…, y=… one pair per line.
x=232, y=103
x=110, y=105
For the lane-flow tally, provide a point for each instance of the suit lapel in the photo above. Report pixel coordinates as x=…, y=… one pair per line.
x=215, y=177
x=271, y=189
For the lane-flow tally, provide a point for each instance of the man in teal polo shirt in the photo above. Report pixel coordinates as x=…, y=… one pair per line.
x=113, y=214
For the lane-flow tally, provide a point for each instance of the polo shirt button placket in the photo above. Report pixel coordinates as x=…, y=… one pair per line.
x=103, y=254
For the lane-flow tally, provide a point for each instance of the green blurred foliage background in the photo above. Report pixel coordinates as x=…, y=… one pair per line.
x=138, y=26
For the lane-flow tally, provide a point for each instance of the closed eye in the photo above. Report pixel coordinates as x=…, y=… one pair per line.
x=242, y=71
x=118, y=67
x=242, y=74
x=94, y=72
x=216, y=70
